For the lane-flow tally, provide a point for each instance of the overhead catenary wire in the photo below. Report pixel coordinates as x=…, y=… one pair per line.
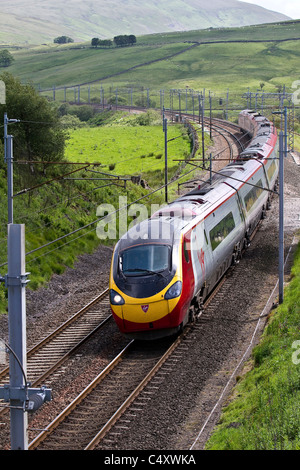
x=134, y=202
x=99, y=219
x=124, y=207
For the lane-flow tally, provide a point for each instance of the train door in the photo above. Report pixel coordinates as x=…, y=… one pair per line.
x=201, y=256
x=188, y=280
x=187, y=259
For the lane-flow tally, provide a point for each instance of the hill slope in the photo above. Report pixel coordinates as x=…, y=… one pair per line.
x=169, y=60
x=41, y=20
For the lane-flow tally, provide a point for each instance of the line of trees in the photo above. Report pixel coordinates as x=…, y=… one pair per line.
x=124, y=40
x=121, y=40
x=96, y=42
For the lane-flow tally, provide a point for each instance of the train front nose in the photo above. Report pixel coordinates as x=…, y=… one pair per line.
x=145, y=315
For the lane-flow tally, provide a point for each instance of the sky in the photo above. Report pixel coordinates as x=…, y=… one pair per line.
x=290, y=8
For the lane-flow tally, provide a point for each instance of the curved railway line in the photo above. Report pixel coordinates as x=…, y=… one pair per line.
x=229, y=141
x=50, y=354
x=117, y=397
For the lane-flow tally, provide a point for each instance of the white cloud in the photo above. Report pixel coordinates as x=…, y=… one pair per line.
x=288, y=7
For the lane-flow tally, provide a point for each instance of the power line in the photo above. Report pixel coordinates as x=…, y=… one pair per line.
x=98, y=220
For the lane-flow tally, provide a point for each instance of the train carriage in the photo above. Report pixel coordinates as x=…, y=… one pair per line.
x=163, y=268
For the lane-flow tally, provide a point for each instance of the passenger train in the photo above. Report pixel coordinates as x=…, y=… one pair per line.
x=163, y=268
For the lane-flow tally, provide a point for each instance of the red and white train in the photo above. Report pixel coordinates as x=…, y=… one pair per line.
x=163, y=268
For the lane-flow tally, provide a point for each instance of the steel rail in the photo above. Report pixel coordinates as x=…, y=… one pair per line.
x=50, y=428
x=106, y=428
x=56, y=332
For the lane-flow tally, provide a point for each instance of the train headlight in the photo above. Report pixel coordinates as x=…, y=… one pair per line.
x=116, y=298
x=174, y=291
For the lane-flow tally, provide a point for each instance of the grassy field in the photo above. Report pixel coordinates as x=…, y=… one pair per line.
x=261, y=32
x=265, y=411
x=217, y=67
x=64, y=65
x=130, y=150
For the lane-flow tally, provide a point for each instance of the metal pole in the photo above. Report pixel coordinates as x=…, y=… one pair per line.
x=210, y=116
x=166, y=159
x=9, y=160
x=202, y=130
x=281, y=217
x=16, y=284
x=5, y=134
x=227, y=103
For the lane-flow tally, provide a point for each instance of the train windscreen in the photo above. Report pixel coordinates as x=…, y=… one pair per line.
x=145, y=259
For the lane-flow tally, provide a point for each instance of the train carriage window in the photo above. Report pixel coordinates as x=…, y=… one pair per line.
x=253, y=195
x=271, y=170
x=221, y=230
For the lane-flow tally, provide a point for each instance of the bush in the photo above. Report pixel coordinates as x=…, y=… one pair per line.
x=147, y=119
x=84, y=112
x=69, y=121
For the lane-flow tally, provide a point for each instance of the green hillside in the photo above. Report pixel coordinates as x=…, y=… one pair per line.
x=217, y=59
x=39, y=21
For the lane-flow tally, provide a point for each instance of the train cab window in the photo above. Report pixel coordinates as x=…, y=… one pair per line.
x=221, y=230
x=145, y=259
x=271, y=170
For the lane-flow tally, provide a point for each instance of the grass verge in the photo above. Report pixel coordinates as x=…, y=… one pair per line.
x=265, y=415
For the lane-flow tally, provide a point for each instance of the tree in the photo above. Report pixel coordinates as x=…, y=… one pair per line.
x=38, y=136
x=95, y=42
x=131, y=39
x=63, y=40
x=101, y=42
x=124, y=40
x=6, y=58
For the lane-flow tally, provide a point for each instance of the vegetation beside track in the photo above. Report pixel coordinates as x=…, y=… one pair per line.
x=264, y=413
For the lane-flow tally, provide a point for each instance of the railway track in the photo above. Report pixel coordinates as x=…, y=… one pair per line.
x=44, y=358
x=235, y=142
x=239, y=139
x=85, y=422
x=82, y=424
